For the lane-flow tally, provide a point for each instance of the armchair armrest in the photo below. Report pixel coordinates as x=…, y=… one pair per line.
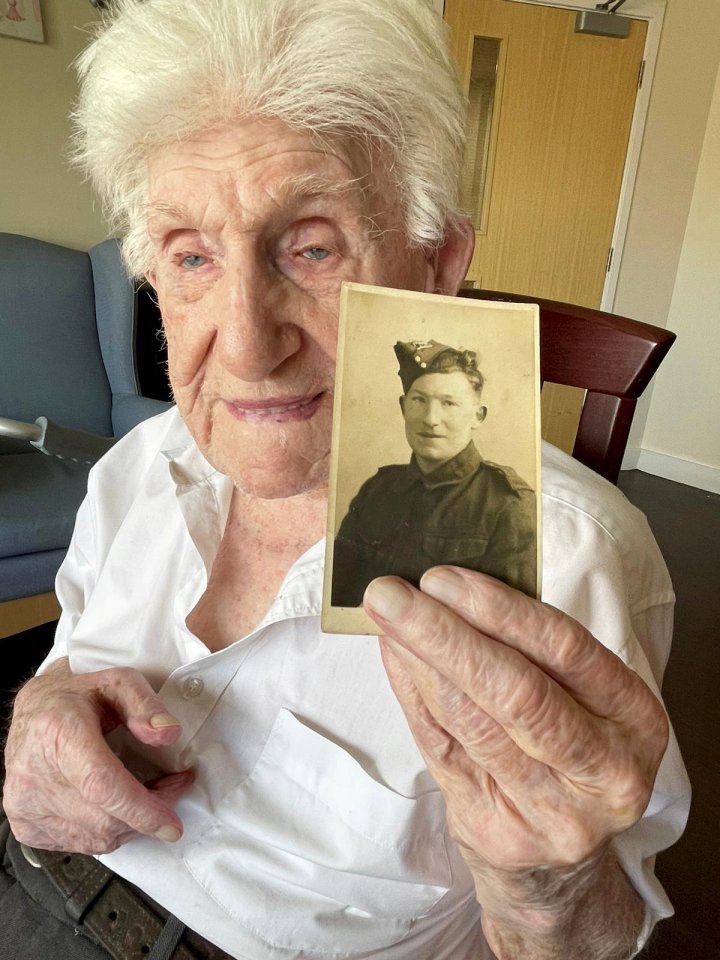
x=19, y=430
x=56, y=441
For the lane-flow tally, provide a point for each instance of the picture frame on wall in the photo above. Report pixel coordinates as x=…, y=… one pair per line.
x=21, y=19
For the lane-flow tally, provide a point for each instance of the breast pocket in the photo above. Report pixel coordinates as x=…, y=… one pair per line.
x=314, y=856
x=444, y=548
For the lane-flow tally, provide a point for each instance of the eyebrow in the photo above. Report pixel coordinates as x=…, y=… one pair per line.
x=312, y=186
x=297, y=190
x=303, y=187
x=170, y=210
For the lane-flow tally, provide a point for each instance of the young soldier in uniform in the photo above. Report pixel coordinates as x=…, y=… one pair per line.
x=447, y=505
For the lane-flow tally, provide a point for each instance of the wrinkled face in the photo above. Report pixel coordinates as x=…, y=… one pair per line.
x=441, y=412
x=254, y=228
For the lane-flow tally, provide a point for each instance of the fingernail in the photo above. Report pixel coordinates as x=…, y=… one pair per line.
x=388, y=597
x=164, y=720
x=168, y=834
x=182, y=776
x=443, y=584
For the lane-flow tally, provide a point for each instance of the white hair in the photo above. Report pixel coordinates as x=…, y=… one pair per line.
x=377, y=70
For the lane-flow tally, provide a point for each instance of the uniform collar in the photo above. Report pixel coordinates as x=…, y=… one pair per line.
x=453, y=471
x=462, y=465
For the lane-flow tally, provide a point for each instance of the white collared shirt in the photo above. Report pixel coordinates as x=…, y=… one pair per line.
x=313, y=829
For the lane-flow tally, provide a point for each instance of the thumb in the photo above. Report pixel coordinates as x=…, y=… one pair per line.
x=171, y=786
x=133, y=703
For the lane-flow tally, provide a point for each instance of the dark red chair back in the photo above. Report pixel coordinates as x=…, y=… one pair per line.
x=612, y=358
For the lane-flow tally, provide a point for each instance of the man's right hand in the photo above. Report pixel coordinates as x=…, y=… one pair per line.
x=65, y=789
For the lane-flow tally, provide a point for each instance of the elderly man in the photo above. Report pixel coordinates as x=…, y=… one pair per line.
x=447, y=505
x=506, y=791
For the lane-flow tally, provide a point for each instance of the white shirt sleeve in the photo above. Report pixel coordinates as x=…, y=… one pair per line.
x=74, y=581
x=603, y=567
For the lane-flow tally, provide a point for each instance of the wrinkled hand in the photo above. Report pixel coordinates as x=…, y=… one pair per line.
x=65, y=789
x=543, y=742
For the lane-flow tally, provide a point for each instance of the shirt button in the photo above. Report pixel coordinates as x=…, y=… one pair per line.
x=192, y=687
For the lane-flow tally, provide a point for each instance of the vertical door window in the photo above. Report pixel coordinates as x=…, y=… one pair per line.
x=482, y=97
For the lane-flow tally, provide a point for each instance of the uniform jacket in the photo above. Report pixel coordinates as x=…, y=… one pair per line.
x=468, y=512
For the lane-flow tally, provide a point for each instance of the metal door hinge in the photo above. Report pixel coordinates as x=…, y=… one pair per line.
x=609, y=259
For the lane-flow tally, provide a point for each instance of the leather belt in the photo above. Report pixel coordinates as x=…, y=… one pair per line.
x=114, y=912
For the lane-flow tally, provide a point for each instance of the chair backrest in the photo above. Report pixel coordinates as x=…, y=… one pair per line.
x=68, y=327
x=612, y=358
x=117, y=316
x=51, y=356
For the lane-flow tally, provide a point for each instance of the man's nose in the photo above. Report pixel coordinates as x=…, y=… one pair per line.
x=432, y=413
x=254, y=336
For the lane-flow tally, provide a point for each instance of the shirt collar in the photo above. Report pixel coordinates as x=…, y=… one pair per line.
x=204, y=496
x=186, y=464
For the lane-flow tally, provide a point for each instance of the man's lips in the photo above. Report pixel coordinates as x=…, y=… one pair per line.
x=275, y=409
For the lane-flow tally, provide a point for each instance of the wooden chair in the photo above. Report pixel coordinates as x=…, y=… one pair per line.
x=612, y=358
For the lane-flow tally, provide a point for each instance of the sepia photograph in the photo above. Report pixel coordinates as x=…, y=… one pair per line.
x=435, y=454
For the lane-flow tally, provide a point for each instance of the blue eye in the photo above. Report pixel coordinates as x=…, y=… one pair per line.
x=193, y=260
x=316, y=253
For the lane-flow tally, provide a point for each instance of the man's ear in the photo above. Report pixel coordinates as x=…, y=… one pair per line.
x=402, y=404
x=480, y=415
x=451, y=260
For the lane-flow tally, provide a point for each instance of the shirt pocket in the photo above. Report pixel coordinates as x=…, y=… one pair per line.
x=314, y=856
x=444, y=548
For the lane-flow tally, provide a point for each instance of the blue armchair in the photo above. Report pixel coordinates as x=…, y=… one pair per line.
x=68, y=335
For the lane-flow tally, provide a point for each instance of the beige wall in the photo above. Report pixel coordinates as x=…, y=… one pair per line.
x=682, y=92
x=40, y=195
x=683, y=417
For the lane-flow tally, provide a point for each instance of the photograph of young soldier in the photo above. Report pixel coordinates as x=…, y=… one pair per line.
x=448, y=504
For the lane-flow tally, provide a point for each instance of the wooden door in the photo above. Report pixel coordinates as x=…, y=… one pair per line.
x=554, y=157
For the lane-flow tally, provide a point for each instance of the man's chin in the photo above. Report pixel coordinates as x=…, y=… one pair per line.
x=278, y=480
x=429, y=453
x=269, y=464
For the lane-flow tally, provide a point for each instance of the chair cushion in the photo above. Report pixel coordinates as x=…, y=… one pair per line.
x=39, y=497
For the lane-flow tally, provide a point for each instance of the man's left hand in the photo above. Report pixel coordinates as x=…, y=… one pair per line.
x=543, y=742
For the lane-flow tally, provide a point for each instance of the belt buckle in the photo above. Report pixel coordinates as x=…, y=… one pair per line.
x=30, y=856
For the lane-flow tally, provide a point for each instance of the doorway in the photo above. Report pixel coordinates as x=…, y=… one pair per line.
x=549, y=124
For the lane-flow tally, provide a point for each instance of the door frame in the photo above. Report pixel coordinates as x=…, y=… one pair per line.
x=652, y=11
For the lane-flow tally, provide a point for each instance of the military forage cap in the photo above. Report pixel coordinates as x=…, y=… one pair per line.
x=416, y=357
